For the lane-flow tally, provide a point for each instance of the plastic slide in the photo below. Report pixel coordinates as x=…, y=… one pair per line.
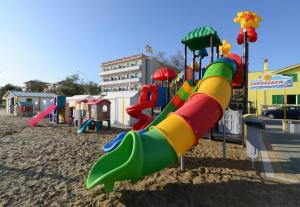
x=136, y=110
x=85, y=125
x=177, y=101
x=109, y=146
x=40, y=116
x=139, y=155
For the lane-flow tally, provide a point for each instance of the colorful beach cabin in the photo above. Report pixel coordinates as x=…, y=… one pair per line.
x=99, y=111
x=40, y=101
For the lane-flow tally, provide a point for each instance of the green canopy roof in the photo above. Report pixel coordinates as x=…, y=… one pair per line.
x=200, y=38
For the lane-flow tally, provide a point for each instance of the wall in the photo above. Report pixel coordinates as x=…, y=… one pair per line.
x=264, y=97
x=44, y=103
x=118, y=114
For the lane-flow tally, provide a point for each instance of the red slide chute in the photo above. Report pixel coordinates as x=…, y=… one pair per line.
x=136, y=110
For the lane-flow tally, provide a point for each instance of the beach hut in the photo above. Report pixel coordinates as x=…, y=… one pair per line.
x=39, y=100
x=119, y=102
x=98, y=110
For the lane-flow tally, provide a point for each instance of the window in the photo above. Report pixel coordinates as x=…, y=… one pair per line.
x=294, y=76
x=298, y=99
x=277, y=99
x=104, y=109
x=291, y=99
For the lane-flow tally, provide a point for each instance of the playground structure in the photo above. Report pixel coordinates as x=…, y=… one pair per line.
x=80, y=112
x=98, y=110
x=86, y=114
x=58, y=112
x=23, y=109
x=152, y=96
x=193, y=111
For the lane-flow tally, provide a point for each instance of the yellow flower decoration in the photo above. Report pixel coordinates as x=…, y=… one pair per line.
x=248, y=19
x=225, y=48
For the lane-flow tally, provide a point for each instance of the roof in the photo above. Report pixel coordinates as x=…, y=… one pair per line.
x=35, y=81
x=287, y=68
x=120, y=94
x=79, y=97
x=276, y=71
x=123, y=59
x=28, y=94
x=164, y=73
x=97, y=101
x=200, y=38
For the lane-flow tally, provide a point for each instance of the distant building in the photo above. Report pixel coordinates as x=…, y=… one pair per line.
x=50, y=87
x=127, y=74
x=38, y=86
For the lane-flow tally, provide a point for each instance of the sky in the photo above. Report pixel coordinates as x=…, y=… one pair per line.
x=51, y=39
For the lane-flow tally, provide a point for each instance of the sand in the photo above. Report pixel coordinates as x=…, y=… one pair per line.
x=47, y=166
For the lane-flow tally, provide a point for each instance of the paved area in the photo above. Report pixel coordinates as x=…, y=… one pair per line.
x=280, y=153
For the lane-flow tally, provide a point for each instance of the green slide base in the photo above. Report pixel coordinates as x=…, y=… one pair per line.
x=136, y=156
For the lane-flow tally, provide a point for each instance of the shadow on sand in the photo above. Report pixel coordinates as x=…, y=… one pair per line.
x=231, y=193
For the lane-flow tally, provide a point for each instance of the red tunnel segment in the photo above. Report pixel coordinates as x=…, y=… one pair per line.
x=237, y=81
x=201, y=112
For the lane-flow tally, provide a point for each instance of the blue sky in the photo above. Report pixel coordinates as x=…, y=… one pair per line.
x=51, y=39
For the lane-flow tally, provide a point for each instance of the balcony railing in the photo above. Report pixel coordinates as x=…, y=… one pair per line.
x=121, y=70
x=115, y=82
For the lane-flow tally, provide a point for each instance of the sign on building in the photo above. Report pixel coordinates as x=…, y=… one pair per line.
x=269, y=81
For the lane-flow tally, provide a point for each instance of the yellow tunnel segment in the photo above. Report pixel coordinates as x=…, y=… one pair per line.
x=178, y=132
x=219, y=88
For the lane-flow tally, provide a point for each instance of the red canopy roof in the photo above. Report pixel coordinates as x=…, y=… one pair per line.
x=164, y=73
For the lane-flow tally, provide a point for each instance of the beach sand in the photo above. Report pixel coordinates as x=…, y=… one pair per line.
x=47, y=166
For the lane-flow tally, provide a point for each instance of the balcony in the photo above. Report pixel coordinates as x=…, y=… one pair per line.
x=115, y=82
x=121, y=70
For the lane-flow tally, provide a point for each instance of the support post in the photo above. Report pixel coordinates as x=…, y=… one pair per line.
x=218, y=51
x=224, y=138
x=200, y=68
x=284, y=111
x=194, y=67
x=211, y=49
x=168, y=91
x=185, y=61
x=152, y=109
x=181, y=163
x=211, y=60
x=245, y=73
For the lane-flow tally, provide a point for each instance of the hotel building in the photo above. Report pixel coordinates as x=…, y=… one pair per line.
x=127, y=74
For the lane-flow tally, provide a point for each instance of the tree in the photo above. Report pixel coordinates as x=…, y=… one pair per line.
x=70, y=86
x=175, y=61
x=92, y=88
x=8, y=87
x=161, y=58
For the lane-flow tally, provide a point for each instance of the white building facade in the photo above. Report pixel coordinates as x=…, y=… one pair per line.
x=127, y=74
